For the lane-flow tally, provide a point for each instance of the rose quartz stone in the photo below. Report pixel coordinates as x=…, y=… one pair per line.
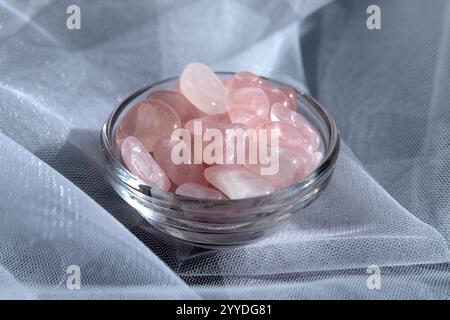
x=222, y=123
x=292, y=97
x=245, y=79
x=178, y=173
x=195, y=190
x=184, y=109
x=176, y=86
x=216, y=121
x=275, y=95
x=236, y=182
x=289, y=137
x=231, y=138
x=141, y=164
x=248, y=105
x=279, y=112
x=290, y=169
x=200, y=85
x=148, y=121
x=244, y=101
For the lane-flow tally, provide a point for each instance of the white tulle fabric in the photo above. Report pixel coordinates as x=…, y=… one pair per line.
x=388, y=203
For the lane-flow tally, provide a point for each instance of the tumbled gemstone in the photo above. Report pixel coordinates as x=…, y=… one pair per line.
x=292, y=97
x=216, y=121
x=185, y=110
x=236, y=182
x=275, y=95
x=201, y=86
x=230, y=133
x=148, y=121
x=234, y=114
x=243, y=79
x=279, y=112
x=186, y=171
x=195, y=190
x=288, y=171
x=236, y=144
x=288, y=136
x=141, y=164
x=176, y=86
x=248, y=105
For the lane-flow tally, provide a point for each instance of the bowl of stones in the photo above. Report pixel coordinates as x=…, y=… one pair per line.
x=219, y=159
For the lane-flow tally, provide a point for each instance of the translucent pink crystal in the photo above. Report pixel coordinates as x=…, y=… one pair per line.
x=178, y=173
x=279, y=112
x=196, y=190
x=148, y=121
x=200, y=85
x=275, y=95
x=289, y=137
x=215, y=121
x=290, y=93
x=229, y=111
x=290, y=169
x=240, y=146
x=245, y=79
x=248, y=105
x=185, y=110
x=141, y=163
x=176, y=86
x=236, y=182
x=228, y=130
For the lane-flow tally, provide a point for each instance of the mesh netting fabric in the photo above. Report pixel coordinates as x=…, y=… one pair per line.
x=387, y=204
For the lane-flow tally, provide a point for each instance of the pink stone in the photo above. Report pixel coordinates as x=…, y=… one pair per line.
x=176, y=86
x=231, y=138
x=201, y=86
x=178, y=173
x=243, y=79
x=141, y=164
x=279, y=112
x=290, y=169
x=292, y=97
x=195, y=190
x=185, y=110
x=289, y=137
x=248, y=105
x=216, y=121
x=223, y=107
x=222, y=123
x=148, y=121
x=275, y=95
x=236, y=182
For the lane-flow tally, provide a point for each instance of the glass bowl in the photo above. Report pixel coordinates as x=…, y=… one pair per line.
x=219, y=223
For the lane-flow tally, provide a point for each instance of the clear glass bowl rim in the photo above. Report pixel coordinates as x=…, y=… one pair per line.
x=331, y=151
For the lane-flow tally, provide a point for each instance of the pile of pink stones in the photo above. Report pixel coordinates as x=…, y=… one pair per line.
x=242, y=101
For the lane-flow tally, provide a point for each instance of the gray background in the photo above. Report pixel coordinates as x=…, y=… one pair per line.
x=387, y=204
